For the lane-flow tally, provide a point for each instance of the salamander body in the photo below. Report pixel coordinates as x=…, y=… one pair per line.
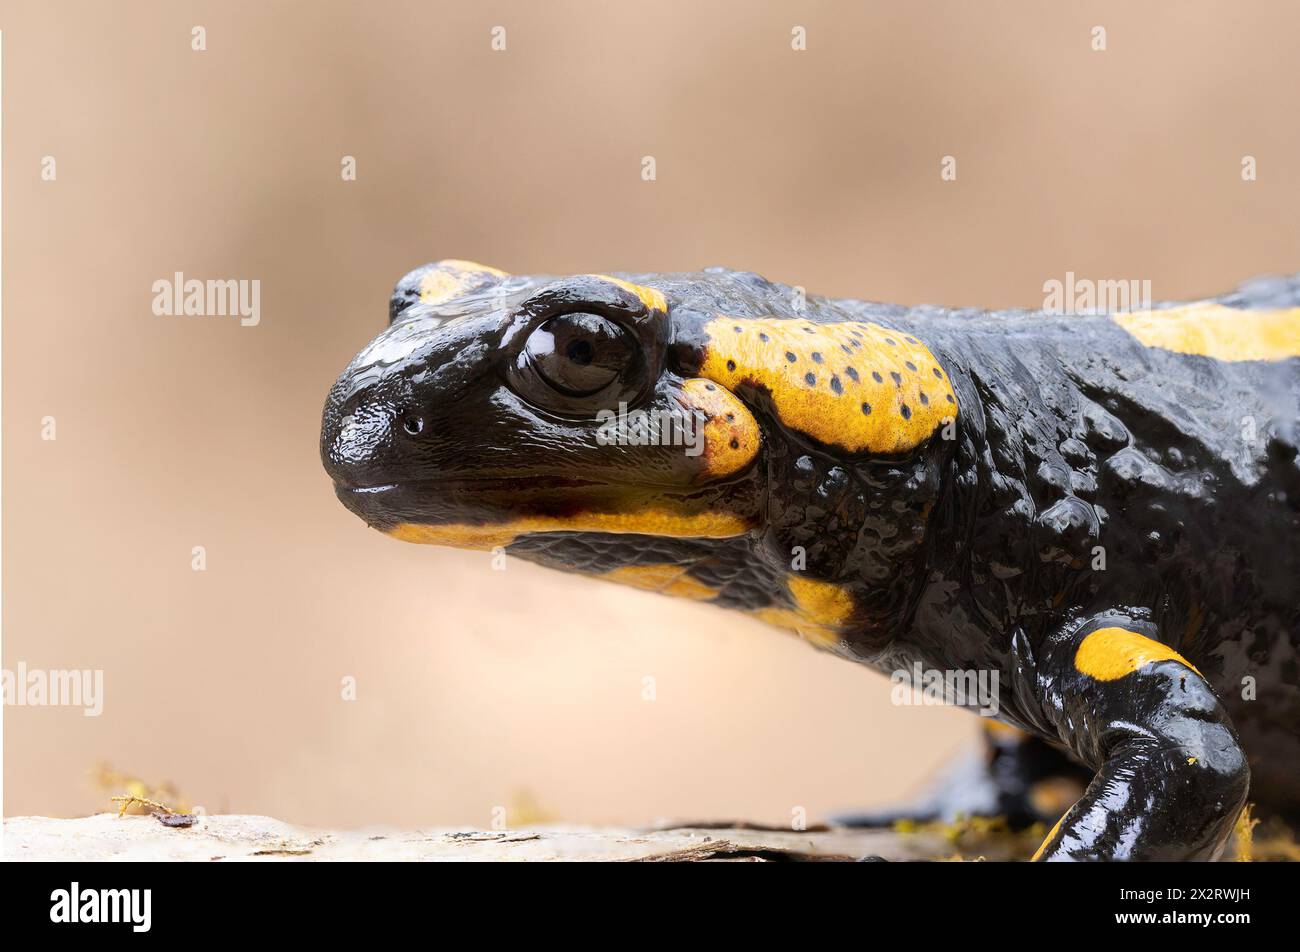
x=1097, y=513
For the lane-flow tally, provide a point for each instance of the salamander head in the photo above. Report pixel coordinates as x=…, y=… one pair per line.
x=489, y=410
x=642, y=428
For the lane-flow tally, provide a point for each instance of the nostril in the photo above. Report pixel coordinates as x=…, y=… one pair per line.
x=413, y=425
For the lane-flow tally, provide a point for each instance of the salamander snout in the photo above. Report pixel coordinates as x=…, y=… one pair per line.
x=366, y=430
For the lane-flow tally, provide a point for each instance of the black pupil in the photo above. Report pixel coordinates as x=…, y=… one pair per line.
x=580, y=352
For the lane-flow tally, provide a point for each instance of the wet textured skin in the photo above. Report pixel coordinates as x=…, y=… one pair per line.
x=1109, y=526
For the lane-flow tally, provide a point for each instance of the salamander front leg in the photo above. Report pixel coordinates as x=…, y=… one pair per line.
x=1171, y=775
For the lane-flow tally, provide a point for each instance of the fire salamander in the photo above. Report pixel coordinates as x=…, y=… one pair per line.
x=1100, y=512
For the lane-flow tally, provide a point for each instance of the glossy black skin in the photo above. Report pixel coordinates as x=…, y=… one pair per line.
x=973, y=553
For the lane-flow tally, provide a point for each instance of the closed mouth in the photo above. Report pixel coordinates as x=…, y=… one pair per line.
x=478, y=484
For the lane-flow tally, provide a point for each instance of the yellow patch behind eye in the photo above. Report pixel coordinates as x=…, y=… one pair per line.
x=821, y=611
x=1109, y=654
x=1212, y=330
x=652, y=299
x=731, y=434
x=451, y=278
x=853, y=384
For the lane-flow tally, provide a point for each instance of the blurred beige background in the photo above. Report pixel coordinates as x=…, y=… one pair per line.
x=478, y=688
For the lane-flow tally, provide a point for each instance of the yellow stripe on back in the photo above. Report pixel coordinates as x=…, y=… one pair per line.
x=1212, y=330
x=1109, y=654
x=856, y=385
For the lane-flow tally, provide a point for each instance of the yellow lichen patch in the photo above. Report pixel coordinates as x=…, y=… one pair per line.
x=1273, y=842
x=652, y=299
x=656, y=522
x=1109, y=654
x=856, y=385
x=820, y=613
x=451, y=278
x=975, y=838
x=666, y=579
x=135, y=791
x=731, y=434
x=1212, y=330
x=1243, y=836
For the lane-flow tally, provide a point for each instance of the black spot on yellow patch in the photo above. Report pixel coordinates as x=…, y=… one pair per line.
x=731, y=434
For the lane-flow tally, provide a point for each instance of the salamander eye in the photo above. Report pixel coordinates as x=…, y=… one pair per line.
x=579, y=354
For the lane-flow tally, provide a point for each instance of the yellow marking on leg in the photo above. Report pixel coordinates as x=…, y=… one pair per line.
x=1051, y=833
x=1212, y=330
x=1109, y=654
x=666, y=579
x=731, y=434
x=857, y=385
x=821, y=613
x=451, y=278
x=652, y=299
x=656, y=522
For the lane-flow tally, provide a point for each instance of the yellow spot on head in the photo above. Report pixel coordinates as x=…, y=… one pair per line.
x=459, y=264
x=857, y=385
x=656, y=522
x=449, y=279
x=1109, y=654
x=1212, y=330
x=651, y=298
x=731, y=434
